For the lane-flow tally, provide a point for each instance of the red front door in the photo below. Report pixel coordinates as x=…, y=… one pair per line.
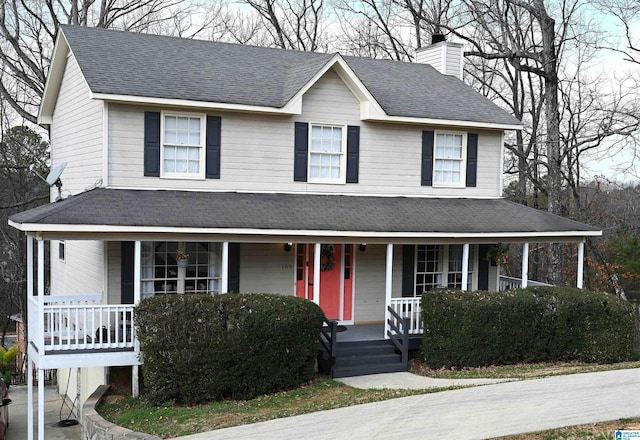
x=335, y=278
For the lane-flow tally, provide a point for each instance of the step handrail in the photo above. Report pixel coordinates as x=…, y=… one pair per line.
x=328, y=338
x=399, y=336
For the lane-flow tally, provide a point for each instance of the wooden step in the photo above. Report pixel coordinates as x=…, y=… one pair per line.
x=366, y=357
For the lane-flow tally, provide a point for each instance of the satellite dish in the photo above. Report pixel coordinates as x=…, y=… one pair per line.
x=53, y=178
x=54, y=175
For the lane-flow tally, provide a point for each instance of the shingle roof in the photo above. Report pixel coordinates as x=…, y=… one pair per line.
x=152, y=66
x=217, y=210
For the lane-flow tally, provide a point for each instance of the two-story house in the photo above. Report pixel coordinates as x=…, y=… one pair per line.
x=356, y=183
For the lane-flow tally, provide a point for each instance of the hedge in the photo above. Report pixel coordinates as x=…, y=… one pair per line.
x=537, y=324
x=199, y=348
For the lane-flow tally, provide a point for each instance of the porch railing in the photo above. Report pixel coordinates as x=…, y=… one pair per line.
x=79, y=322
x=507, y=283
x=407, y=308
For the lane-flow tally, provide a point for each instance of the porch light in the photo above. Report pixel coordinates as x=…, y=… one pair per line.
x=288, y=246
x=363, y=247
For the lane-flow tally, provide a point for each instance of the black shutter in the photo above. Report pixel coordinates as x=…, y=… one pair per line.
x=234, y=268
x=301, y=148
x=408, y=265
x=483, y=267
x=213, y=147
x=427, y=158
x=353, y=153
x=472, y=158
x=152, y=144
x=126, y=272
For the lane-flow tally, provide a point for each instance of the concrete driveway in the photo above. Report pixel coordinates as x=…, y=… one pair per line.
x=18, y=416
x=473, y=413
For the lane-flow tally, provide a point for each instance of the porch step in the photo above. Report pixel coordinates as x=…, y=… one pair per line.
x=366, y=357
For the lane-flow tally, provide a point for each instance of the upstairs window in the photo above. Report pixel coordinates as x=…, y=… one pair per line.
x=449, y=159
x=183, y=138
x=327, y=158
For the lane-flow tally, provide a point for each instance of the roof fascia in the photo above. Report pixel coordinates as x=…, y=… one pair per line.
x=441, y=122
x=129, y=99
x=71, y=229
x=54, y=79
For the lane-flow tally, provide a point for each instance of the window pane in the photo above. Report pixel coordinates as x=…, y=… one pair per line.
x=181, y=166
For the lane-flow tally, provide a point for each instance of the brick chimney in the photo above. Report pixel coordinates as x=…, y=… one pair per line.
x=445, y=56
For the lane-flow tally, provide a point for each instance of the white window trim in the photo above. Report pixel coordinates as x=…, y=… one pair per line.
x=444, y=262
x=463, y=160
x=203, y=151
x=343, y=156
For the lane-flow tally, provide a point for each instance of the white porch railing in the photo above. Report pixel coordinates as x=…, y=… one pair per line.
x=507, y=283
x=79, y=322
x=408, y=308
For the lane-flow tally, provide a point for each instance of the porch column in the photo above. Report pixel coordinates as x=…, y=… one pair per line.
x=387, y=287
x=316, y=273
x=580, y=277
x=224, y=276
x=29, y=362
x=41, y=326
x=465, y=266
x=137, y=275
x=525, y=265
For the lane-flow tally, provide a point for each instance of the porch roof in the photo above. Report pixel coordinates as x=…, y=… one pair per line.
x=105, y=210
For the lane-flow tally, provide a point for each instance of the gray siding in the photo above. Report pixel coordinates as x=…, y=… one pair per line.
x=370, y=282
x=257, y=151
x=81, y=272
x=77, y=131
x=267, y=268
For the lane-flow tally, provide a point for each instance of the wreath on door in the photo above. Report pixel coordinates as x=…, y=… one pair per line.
x=327, y=261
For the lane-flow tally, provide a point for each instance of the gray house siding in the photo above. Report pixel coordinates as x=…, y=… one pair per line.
x=257, y=151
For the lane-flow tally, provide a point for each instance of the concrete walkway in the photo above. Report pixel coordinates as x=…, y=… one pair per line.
x=18, y=415
x=472, y=413
x=409, y=381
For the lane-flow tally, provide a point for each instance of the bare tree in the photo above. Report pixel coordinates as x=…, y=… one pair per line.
x=289, y=24
x=28, y=29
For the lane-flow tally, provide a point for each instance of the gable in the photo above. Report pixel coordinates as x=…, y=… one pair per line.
x=329, y=99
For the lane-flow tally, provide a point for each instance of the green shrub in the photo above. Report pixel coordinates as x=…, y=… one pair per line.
x=198, y=348
x=537, y=324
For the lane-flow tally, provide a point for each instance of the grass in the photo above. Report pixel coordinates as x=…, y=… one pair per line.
x=518, y=371
x=323, y=393
x=166, y=422
x=592, y=431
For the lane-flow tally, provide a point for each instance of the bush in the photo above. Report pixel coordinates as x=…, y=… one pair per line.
x=198, y=348
x=537, y=324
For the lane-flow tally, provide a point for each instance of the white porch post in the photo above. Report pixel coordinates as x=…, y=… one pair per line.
x=29, y=399
x=41, y=326
x=316, y=273
x=387, y=287
x=580, y=277
x=465, y=266
x=40, y=404
x=137, y=275
x=29, y=362
x=224, y=276
x=525, y=265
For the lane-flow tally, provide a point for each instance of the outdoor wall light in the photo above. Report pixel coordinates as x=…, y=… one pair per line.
x=288, y=246
x=363, y=247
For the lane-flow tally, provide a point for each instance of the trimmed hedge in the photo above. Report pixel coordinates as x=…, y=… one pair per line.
x=199, y=348
x=537, y=324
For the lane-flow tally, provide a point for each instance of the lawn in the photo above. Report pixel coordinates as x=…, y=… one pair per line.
x=323, y=393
